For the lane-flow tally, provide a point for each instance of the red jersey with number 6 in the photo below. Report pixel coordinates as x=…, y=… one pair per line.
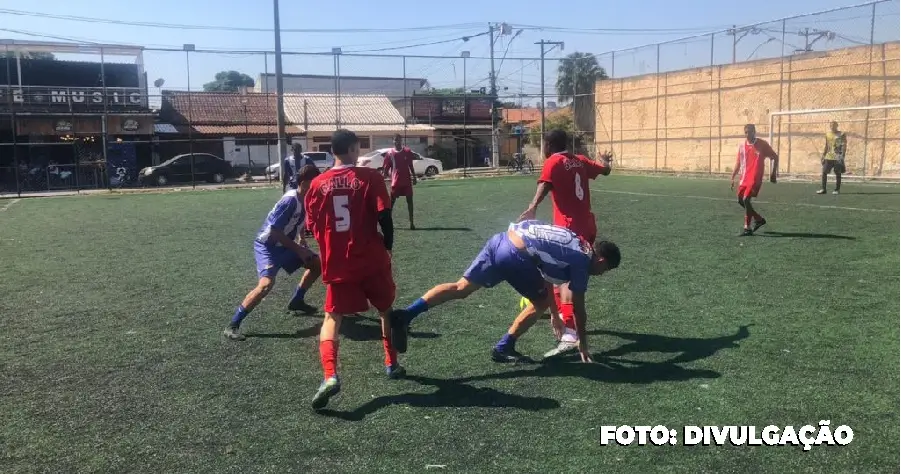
x=568, y=174
x=343, y=206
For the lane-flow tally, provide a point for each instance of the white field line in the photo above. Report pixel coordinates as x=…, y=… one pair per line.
x=709, y=198
x=10, y=203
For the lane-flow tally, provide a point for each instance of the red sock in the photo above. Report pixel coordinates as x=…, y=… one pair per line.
x=328, y=355
x=390, y=353
x=568, y=315
x=747, y=221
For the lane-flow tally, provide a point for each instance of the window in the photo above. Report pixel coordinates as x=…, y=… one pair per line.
x=417, y=156
x=254, y=142
x=317, y=156
x=364, y=142
x=322, y=139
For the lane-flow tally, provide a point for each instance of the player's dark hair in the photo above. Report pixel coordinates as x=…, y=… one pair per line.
x=342, y=140
x=307, y=173
x=609, y=252
x=398, y=136
x=750, y=126
x=556, y=140
x=297, y=148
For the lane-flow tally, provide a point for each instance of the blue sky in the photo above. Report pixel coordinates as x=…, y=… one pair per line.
x=517, y=75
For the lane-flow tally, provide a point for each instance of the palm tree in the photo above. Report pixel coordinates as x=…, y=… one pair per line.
x=576, y=78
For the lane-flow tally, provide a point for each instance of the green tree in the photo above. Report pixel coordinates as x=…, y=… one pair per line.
x=562, y=120
x=228, y=81
x=446, y=91
x=577, y=75
x=29, y=55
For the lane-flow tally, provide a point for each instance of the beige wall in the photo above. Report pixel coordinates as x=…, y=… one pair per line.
x=692, y=120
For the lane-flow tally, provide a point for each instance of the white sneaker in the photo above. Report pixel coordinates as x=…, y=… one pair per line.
x=835, y=192
x=562, y=348
x=822, y=191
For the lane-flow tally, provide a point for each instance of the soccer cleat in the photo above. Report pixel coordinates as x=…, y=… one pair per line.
x=822, y=191
x=746, y=232
x=758, y=224
x=509, y=357
x=395, y=371
x=563, y=347
x=328, y=389
x=302, y=306
x=836, y=192
x=399, y=327
x=233, y=334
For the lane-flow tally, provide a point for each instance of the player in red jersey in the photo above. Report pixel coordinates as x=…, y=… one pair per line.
x=565, y=175
x=749, y=163
x=399, y=166
x=345, y=207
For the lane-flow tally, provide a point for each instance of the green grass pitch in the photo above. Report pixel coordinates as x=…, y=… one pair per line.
x=112, y=358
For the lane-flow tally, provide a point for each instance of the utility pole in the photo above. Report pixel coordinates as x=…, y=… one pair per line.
x=279, y=87
x=542, y=43
x=817, y=34
x=494, y=117
x=739, y=33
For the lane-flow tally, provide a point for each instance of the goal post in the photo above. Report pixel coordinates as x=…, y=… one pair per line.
x=872, y=150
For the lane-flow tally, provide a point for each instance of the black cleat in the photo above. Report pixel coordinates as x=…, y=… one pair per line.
x=746, y=233
x=758, y=224
x=303, y=307
x=395, y=372
x=397, y=319
x=328, y=389
x=509, y=357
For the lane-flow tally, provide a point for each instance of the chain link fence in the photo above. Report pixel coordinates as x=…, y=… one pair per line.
x=95, y=116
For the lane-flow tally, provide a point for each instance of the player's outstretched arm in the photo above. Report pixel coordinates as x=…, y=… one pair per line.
x=387, y=225
x=581, y=318
x=540, y=193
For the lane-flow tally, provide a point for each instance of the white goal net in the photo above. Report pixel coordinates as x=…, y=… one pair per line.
x=872, y=134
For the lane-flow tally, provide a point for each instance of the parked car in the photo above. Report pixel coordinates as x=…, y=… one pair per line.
x=422, y=165
x=178, y=170
x=323, y=159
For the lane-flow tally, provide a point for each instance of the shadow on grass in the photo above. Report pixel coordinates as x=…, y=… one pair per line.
x=872, y=193
x=450, y=393
x=360, y=328
x=690, y=349
x=806, y=235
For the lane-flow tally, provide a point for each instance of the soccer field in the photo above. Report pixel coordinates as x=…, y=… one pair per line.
x=113, y=358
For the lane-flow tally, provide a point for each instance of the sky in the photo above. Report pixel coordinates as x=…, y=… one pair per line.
x=350, y=25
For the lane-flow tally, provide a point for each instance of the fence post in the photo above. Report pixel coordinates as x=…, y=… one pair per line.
x=710, y=128
x=657, y=110
x=405, y=101
x=188, y=48
x=103, y=126
x=866, y=125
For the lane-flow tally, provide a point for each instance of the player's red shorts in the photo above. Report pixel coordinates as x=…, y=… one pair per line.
x=401, y=190
x=587, y=229
x=355, y=297
x=748, y=190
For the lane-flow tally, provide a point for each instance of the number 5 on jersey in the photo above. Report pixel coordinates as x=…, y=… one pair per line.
x=580, y=193
x=342, y=213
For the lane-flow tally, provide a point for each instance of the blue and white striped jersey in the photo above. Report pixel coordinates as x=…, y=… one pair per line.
x=288, y=216
x=561, y=255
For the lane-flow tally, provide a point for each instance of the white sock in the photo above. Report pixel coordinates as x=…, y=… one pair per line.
x=569, y=335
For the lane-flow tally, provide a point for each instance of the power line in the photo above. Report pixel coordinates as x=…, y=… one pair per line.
x=84, y=19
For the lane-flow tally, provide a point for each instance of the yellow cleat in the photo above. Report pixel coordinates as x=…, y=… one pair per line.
x=523, y=302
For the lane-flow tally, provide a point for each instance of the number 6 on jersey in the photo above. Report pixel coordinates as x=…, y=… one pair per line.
x=342, y=213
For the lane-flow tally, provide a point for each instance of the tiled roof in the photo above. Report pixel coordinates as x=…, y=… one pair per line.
x=218, y=108
x=528, y=115
x=319, y=109
x=370, y=128
x=245, y=130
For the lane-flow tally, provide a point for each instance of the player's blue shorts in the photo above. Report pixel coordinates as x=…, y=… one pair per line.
x=500, y=261
x=270, y=259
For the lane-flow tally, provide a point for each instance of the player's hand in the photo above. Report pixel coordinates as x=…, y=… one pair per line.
x=557, y=324
x=732, y=185
x=528, y=215
x=583, y=351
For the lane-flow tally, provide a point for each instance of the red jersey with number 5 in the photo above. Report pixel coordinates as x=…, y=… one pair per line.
x=343, y=206
x=568, y=174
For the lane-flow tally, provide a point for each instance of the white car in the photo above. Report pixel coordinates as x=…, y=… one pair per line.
x=422, y=165
x=323, y=159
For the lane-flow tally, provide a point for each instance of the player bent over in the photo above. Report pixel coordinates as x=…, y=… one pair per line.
x=749, y=162
x=275, y=248
x=345, y=207
x=529, y=256
x=565, y=175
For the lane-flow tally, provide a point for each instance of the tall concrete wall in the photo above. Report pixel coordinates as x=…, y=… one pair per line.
x=692, y=120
